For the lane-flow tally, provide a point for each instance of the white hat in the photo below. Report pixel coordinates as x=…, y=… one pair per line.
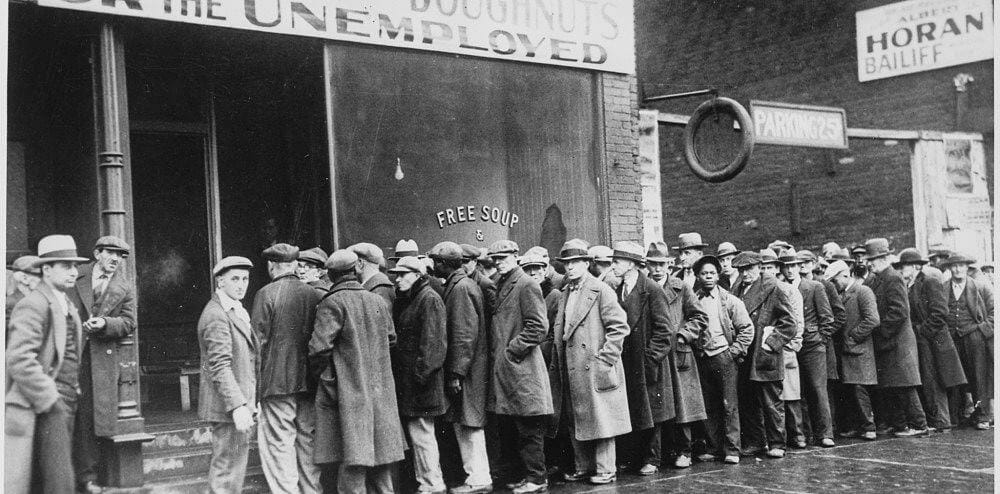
x=835, y=268
x=57, y=248
x=405, y=248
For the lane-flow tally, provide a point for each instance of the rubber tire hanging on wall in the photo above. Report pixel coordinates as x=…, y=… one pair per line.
x=708, y=109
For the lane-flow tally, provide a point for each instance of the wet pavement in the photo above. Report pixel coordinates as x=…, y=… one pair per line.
x=960, y=461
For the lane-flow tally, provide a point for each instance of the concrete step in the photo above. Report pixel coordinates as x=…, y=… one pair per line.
x=184, y=461
x=255, y=483
x=178, y=436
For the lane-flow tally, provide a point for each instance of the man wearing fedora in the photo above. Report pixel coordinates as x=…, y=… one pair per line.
x=940, y=367
x=896, y=358
x=369, y=268
x=725, y=255
x=590, y=386
x=689, y=249
x=26, y=277
x=106, y=303
x=644, y=355
x=814, y=268
x=970, y=321
x=282, y=321
x=310, y=269
x=657, y=265
x=43, y=357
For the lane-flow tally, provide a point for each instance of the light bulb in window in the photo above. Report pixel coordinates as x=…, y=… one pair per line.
x=399, y=170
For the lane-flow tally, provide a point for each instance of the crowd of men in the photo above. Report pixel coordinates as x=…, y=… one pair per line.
x=488, y=368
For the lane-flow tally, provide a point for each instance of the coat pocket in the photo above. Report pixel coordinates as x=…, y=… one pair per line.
x=327, y=395
x=684, y=358
x=767, y=361
x=605, y=376
x=19, y=421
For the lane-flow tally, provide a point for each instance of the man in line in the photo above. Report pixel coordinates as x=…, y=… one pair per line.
x=896, y=358
x=43, y=356
x=106, y=303
x=282, y=319
x=970, y=321
x=722, y=346
x=554, y=279
x=369, y=271
x=589, y=332
x=311, y=271
x=689, y=249
x=358, y=431
x=725, y=255
x=601, y=266
x=470, y=256
x=26, y=277
x=520, y=392
x=810, y=271
x=791, y=385
x=940, y=366
x=229, y=366
x=762, y=414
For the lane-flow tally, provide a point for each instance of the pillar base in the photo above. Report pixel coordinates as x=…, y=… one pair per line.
x=122, y=456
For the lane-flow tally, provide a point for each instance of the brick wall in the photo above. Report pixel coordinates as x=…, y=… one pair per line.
x=796, y=51
x=619, y=94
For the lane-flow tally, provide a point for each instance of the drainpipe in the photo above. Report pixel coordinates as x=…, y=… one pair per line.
x=962, y=82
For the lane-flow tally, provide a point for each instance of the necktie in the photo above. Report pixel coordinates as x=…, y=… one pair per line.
x=102, y=284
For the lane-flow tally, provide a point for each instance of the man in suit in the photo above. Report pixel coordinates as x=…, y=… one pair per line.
x=725, y=255
x=106, y=303
x=228, y=383
x=43, y=355
x=895, y=345
x=762, y=414
x=689, y=249
x=26, y=277
x=282, y=320
x=970, y=321
x=371, y=262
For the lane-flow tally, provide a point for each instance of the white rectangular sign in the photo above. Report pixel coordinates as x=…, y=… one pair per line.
x=589, y=34
x=918, y=35
x=799, y=125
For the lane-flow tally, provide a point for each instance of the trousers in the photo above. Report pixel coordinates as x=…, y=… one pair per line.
x=472, y=445
x=902, y=408
x=230, y=453
x=52, y=463
x=762, y=414
x=595, y=456
x=426, y=459
x=718, y=383
x=285, y=433
x=354, y=479
x=813, y=374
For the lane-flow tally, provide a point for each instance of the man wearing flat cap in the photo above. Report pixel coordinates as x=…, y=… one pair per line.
x=369, y=268
x=229, y=367
x=311, y=270
x=358, y=431
x=282, y=320
x=43, y=355
x=554, y=279
x=26, y=277
x=895, y=345
x=689, y=248
x=470, y=255
x=106, y=303
x=970, y=321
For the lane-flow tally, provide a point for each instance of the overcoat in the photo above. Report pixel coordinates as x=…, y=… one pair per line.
x=357, y=420
x=468, y=348
x=645, y=354
x=791, y=387
x=229, y=363
x=588, y=354
x=929, y=316
x=282, y=319
x=839, y=316
x=687, y=323
x=895, y=344
x=854, y=341
x=768, y=306
x=421, y=347
x=380, y=285
x=489, y=290
x=520, y=382
x=978, y=297
x=35, y=351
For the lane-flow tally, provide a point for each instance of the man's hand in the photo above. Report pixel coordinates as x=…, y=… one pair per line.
x=242, y=418
x=454, y=385
x=94, y=324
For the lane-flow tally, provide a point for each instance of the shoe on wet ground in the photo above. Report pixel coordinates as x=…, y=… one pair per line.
x=532, y=488
x=911, y=432
x=682, y=461
x=983, y=426
x=705, y=457
x=514, y=485
x=851, y=433
x=603, y=478
x=826, y=442
x=869, y=435
x=776, y=453
x=575, y=476
x=472, y=489
x=648, y=469
x=731, y=459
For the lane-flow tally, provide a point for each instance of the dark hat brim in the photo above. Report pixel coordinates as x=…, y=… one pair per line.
x=692, y=246
x=574, y=258
x=627, y=255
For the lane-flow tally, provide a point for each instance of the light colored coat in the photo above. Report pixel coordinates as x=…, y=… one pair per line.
x=857, y=352
x=229, y=363
x=791, y=387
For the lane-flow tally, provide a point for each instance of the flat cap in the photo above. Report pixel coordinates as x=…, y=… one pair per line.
x=314, y=255
x=231, y=262
x=836, y=268
x=341, y=260
x=26, y=264
x=532, y=259
x=600, y=253
x=469, y=252
x=370, y=252
x=539, y=251
x=409, y=264
x=503, y=248
x=447, y=251
x=281, y=253
x=574, y=249
x=111, y=242
x=746, y=259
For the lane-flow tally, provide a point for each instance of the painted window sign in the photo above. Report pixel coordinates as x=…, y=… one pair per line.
x=919, y=35
x=591, y=34
x=467, y=214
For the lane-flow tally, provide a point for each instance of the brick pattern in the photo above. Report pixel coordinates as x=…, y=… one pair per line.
x=796, y=51
x=621, y=151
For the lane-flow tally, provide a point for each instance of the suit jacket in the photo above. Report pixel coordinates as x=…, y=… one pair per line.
x=854, y=341
x=816, y=313
x=282, y=321
x=229, y=363
x=895, y=344
x=979, y=300
x=929, y=316
x=644, y=354
x=767, y=306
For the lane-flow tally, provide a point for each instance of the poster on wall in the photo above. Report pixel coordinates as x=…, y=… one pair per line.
x=649, y=176
x=920, y=35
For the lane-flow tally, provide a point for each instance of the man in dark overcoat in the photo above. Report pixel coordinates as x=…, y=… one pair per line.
x=470, y=257
x=940, y=366
x=358, y=431
x=106, y=303
x=895, y=345
x=466, y=365
x=311, y=269
x=762, y=414
x=282, y=319
x=371, y=262
x=970, y=321
x=644, y=355
x=520, y=392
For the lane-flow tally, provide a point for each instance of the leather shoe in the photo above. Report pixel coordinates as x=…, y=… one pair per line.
x=705, y=457
x=603, y=478
x=90, y=487
x=869, y=435
x=910, y=432
x=575, y=476
x=532, y=488
x=776, y=453
x=983, y=426
x=826, y=442
x=514, y=485
x=731, y=459
x=648, y=469
x=472, y=489
x=850, y=433
x=682, y=461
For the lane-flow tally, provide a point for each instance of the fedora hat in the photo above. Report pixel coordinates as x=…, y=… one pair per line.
x=746, y=259
x=57, y=248
x=726, y=249
x=957, y=258
x=767, y=256
x=405, y=248
x=703, y=260
x=806, y=256
x=779, y=245
x=629, y=250
x=910, y=256
x=600, y=253
x=111, y=242
x=657, y=252
x=877, y=247
x=690, y=241
x=572, y=249
x=829, y=249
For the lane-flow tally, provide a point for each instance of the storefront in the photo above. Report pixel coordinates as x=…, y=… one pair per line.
x=194, y=135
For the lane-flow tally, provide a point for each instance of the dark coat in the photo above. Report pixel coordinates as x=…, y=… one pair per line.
x=468, y=348
x=644, y=354
x=929, y=316
x=380, y=285
x=687, y=324
x=854, y=341
x=229, y=363
x=116, y=305
x=979, y=300
x=839, y=316
x=282, y=319
x=357, y=420
x=489, y=290
x=588, y=354
x=520, y=382
x=422, y=345
x=816, y=313
x=767, y=306
x=895, y=344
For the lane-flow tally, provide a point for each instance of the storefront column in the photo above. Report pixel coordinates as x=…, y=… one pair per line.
x=118, y=422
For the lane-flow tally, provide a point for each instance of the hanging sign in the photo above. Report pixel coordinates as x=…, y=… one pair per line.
x=799, y=125
x=918, y=35
x=590, y=34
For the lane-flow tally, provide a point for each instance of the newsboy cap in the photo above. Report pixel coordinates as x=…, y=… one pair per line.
x=315, y=256
x=836, y=268
x=539, y=251
x=26, y=264
x=532, y=259
x=574, y=249
x=281, y=253
x=447, y=251
x=370, y=252
x=409, y=264
x=111, y=242
x=341, y=260
x=231, y=262
x=469, y=252
x=503, y=248
x=746, y=259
